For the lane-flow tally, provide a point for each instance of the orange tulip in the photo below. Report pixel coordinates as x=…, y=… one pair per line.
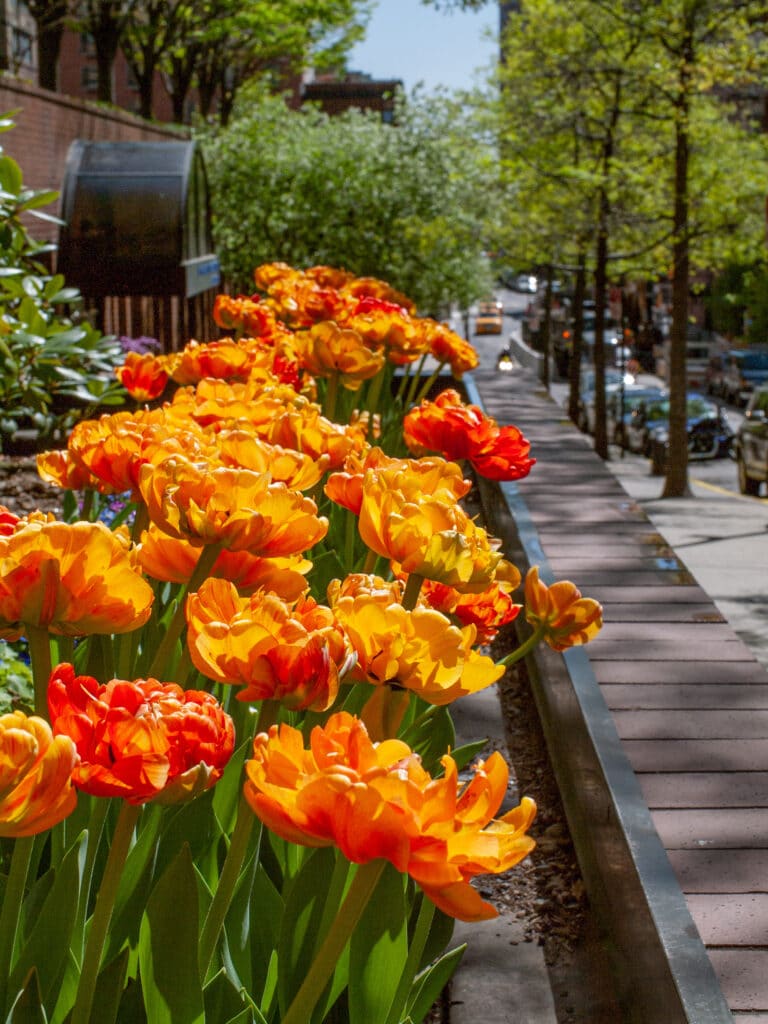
x=458, y=431
x=429, y=535
x=173, y=560
x=428, y=475
x=113, y=448
x=448, y=347
x=61, y=468
x=418, y=650
x=308, y=431
x=275, y=650
x=144, y=376
x=565, y=617
x=140, y=740
x=247, y=316
x=254, y=402
x=327, y=349
x=386, y=325
x=488, y=611
x=377, y=801
x=236, y=508
x=8, y=521
x=70, y=579
x=225, y=359
x=295, y=469
x=36, y=790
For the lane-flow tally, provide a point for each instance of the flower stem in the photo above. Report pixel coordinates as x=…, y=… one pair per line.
x=205, y=563
x=40, y=656
x=414, y=383
x=230, y=873
x=331, y=395
x=525, y=648
x=332, y=946
x=233, y=862
x=13, y=897
x=412, y=589
x=102, y=914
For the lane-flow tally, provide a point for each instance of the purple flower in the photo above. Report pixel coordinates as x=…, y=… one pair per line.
x=141, y=345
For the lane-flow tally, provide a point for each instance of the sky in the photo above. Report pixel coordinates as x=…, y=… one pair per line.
x=414, y=43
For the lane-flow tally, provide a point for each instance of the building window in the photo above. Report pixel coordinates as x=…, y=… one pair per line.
x=21, y=43
x=89, y=78
x=87, y=45
x=131, y=80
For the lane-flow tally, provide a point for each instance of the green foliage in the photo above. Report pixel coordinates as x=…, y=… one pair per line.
x=16, y=689
x=54, y=366
x=407, y=203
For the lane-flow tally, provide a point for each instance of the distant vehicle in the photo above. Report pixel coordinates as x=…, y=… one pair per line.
x=710, y=435
x=526, y=283
x=490, y=317
x=586, y=413
x=751, y=444
x=620, y=407
x=562, y=342
x=697, y=361
x=745, y=369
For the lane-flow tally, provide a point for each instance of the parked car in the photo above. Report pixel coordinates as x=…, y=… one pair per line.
x=745, y=369
x=620, y=407
x=562, y=340
x=490, y=317
x=613, y=379
x=710, y=435
x=526, y=283
x=750, y=446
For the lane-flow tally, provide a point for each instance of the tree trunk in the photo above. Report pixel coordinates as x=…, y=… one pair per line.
x=546, y=329
x=577, y=344
x=48, y=49
x=601, y=279
x=676, y=483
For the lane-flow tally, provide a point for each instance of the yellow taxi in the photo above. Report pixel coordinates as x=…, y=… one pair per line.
x=490, y=317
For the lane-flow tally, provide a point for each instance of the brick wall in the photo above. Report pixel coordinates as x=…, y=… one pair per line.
x=46, y=124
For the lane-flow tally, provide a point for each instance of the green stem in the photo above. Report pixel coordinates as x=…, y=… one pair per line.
x=415, y=953
x=414, y=382
x=525, y=648
x=428, y=384
x=99, y=809
x=205, y=563
x=374, y=397
x=412, y=589
x=350, y=534
x=225, y=890
x=331, y=395
x=87, y=510
x=233, y=862
x=13, y=898
x=102, y=914
x=40, y=656
x=332, y=946
x=370, y=561
x=140, y=522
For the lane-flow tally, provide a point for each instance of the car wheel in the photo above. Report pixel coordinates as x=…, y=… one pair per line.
x=703, y=445
x=747, y=484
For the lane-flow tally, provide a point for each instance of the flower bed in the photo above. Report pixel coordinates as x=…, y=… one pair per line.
x=237, y=796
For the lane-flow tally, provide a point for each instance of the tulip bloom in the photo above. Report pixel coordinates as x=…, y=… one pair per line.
x=144, y=376
x=560, y=613
x=430, y=536
x=291, y=652
x=174, y=560
x=70, y=579
x=418, y=650
x=326, y=349
x=236, y=508
x=429, y=475
x=297, y=470
x=224, y=358
x=140, y=740
x=488, y=611
x=244, y=315
x=377, y=801
x=458, y=431
x=36, y=790
x=448, y=347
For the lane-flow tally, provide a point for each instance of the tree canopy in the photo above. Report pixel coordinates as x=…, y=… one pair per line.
x=407, y=202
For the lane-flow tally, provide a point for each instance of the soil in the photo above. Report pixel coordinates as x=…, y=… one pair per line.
x=22, y=490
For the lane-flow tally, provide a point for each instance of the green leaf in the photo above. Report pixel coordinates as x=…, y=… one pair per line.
x=171, y=985
x=47, y=947
x=378, y=951
x=303, y=912
x=28, y=1005
x=10, y=176
x=110, y=986
x=224, y=1001
x=431, y=982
